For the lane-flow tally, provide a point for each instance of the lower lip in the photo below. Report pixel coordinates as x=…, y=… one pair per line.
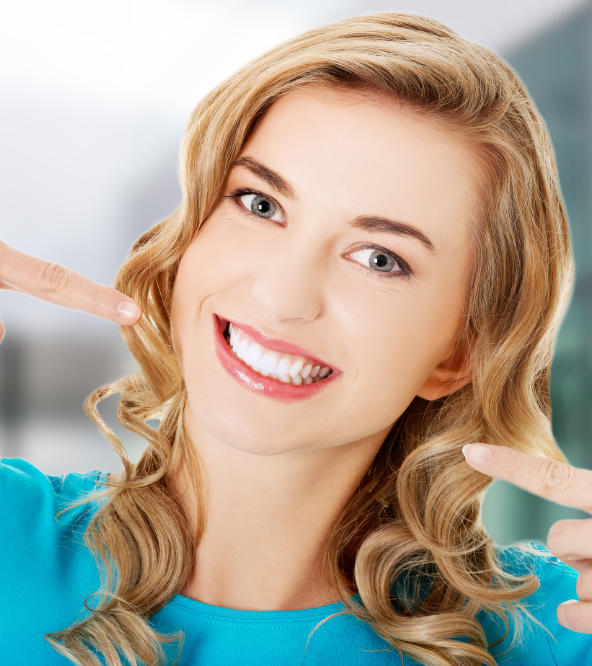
x=258, y=383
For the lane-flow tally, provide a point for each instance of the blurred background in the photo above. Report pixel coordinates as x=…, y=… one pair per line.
x=95, y=98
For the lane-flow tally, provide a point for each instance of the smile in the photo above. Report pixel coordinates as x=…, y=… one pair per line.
x=262, y=370
x=287, y=368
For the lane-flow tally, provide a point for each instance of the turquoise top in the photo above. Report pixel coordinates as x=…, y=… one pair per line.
x=46, y=572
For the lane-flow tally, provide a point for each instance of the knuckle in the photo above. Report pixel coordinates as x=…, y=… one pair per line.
x=584, y=585
x=555, y=475
x=53, y=278
x=555, y=536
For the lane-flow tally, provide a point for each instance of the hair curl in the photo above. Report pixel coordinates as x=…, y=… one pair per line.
x=416, y=513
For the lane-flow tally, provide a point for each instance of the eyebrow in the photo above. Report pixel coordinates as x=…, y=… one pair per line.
x=371, y=223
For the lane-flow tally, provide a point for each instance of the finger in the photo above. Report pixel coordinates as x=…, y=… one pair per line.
x=62, y=286
x=583, y=566
x=584, y=586
x=2, y=330
x=576, y=615
x=571, y=540
x=551, y=479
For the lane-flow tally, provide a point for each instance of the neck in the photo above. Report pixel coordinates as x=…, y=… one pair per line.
x=268, y=520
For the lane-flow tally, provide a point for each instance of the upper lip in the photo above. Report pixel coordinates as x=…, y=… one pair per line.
x=278, y=345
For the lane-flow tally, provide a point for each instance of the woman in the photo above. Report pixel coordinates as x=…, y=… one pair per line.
x=368, y=270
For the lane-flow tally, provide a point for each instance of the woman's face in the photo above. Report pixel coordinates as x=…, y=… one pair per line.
x=290, y=263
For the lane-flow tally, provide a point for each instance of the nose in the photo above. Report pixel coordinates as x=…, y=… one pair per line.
x=290, y=282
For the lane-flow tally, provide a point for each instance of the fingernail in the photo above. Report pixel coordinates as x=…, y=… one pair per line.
x=128, y=310
x=476, y=453
x=568, y=603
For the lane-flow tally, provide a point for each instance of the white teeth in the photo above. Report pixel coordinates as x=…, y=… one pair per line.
x=296, y=367
x=242, y=348
x=253, y=354
x=284, y=367
x=268, y=362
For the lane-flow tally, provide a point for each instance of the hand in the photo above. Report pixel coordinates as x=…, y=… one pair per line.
x=56, y=284
x=569, y=540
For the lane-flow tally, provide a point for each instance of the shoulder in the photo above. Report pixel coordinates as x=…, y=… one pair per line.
x=45, y=568
x=550, y=643
x=534, y=557
x=30, y=527
x=20, y=474
x=29, y=497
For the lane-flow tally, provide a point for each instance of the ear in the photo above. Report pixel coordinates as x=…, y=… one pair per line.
x=448, y=376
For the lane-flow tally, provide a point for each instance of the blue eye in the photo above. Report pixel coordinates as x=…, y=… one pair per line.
x=375, y=255
x=265, y=207
x=261, y=205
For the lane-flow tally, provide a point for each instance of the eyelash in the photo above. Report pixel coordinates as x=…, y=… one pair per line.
x=405, y=269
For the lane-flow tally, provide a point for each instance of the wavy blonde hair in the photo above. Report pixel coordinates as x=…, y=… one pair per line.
x=416, y=514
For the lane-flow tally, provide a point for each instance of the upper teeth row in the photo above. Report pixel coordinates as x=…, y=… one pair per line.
x=288, y=368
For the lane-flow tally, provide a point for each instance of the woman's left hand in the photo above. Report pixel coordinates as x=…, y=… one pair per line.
x=569, y=540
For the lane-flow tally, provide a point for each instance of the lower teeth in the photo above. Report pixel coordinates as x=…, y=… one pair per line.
x=273, y=376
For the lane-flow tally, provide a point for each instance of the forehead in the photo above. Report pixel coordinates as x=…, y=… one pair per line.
x=357, y=121
x=370, y=154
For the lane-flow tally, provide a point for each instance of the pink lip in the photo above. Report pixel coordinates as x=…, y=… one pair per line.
x=278, y=345
x=256, y=382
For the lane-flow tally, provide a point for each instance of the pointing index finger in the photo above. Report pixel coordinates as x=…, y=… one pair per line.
x=550, y=479
x=60, y=285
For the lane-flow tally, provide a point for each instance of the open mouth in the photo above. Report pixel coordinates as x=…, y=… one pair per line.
x=226, y=331
x=282, y=367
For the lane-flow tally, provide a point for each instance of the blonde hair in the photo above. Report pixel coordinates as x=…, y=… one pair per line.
x=416, y=514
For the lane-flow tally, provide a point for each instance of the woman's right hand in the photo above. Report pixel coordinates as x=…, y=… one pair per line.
x=62, y=286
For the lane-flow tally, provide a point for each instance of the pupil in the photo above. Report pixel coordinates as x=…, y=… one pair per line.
x=380, y=261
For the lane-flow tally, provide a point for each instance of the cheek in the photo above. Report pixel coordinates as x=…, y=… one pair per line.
x=185, y=296
x=201, y=273
x=200, y=267
x=409, y=338
x=213, y=257
x=176, y=323
x=393, y=363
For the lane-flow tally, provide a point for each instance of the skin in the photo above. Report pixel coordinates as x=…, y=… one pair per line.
x=569, y=540
x=54, y=283
x=279, y=473
x=272, y=497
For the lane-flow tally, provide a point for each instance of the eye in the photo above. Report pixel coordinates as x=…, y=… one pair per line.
x=264, y=206
x=376, y=254
x=256, y=203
